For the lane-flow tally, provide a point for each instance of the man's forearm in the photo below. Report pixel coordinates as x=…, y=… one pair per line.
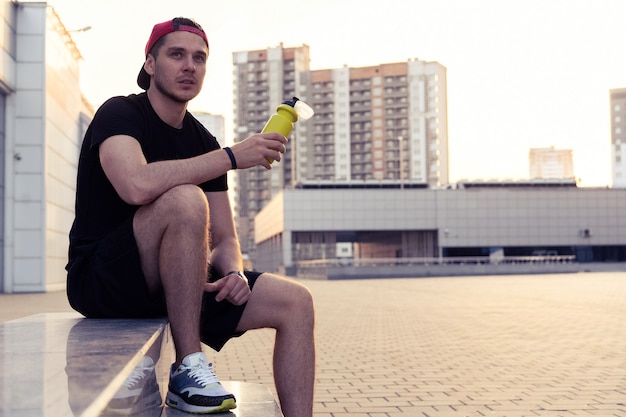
x=226, y=257
x=138, y=182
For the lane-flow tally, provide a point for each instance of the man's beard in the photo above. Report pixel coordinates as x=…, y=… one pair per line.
x=162, y=88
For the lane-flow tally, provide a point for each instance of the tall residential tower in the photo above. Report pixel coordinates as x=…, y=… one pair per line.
x=618, y=137
x=385, y=122
x=380, y=124
x=550, y=163
x=262, y=80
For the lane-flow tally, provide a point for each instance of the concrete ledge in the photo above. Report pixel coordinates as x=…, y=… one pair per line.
x=253, y=400
x=63, y=365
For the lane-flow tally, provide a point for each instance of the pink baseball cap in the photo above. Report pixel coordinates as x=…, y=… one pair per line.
x=161, y=29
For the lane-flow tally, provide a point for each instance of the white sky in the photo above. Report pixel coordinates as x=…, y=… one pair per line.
x=521, y=73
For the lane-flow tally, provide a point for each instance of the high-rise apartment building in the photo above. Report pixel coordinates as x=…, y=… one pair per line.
x=550, y=163
x=372, y=124
x=384, y=122
x=618, y=136
x=263, y=79
x=214, y=124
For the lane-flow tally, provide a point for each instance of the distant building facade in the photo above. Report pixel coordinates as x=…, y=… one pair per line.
x=618, y=136
x=378, y=123
x=214, y=123
x=384, y=122
x=479, y=219
x=43, y=117
x=551, y=163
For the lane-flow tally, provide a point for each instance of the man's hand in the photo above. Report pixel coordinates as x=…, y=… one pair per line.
x=255, y=150
x=231, y=288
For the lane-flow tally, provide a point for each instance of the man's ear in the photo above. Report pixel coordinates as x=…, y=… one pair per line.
x=148, y=66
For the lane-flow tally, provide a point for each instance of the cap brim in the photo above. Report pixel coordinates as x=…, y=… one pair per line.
x=143, y=79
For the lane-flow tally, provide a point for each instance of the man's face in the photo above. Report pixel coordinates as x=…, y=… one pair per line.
x=179, y=68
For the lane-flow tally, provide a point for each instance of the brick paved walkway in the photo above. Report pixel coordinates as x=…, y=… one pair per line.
x=509, y=346
x=550, y=345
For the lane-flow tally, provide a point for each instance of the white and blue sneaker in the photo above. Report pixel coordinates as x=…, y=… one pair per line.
x=194, y=387
x=139, y=394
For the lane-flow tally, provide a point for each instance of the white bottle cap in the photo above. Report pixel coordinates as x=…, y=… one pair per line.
x=305, y=112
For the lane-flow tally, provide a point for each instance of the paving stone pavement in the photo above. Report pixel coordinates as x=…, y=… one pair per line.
x=505, y=346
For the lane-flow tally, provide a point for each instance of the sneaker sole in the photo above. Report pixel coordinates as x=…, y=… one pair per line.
x=174, y=401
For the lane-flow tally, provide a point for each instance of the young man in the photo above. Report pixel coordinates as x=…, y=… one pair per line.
x=152, y=211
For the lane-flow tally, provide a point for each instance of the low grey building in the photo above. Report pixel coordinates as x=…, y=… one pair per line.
x=494, y=221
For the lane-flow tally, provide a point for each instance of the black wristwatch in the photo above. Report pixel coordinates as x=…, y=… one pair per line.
x=241, y=275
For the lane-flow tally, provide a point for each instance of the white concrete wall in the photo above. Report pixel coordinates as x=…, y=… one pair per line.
x=25, y=206
x=63, y=136
x=7, y=85
x=46, y=117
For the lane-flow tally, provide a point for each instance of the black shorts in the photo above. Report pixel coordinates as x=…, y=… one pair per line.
x=105, y=280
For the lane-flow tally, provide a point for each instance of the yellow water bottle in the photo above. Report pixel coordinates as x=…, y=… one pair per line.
x=286, y=115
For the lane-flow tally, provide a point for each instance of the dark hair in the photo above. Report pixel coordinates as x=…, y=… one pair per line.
x=178, y=21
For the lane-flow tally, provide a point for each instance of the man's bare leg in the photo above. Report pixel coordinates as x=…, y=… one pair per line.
x=172, y=236
x=286, y=306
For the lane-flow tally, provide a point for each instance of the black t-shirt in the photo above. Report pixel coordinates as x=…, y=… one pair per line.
x=99, y=208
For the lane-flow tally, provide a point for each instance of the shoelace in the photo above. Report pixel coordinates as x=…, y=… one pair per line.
x=135, y=377
x=203, y=374
x=141, y=372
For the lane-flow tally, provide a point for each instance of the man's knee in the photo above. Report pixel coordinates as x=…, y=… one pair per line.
x=181, y=205
x=302, y=303
x=279, y=303
x=185, y=202
x=185, y=195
